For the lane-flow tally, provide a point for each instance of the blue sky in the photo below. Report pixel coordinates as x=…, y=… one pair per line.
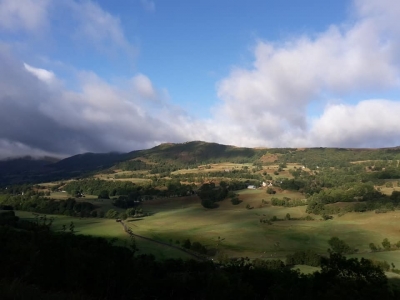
x=85, y=75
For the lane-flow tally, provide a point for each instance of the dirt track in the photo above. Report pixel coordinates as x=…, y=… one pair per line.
x=128, y=230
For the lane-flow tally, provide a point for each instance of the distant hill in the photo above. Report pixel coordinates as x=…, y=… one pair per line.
x=24, y=164
x=198, y=152
x=19, y=170
x=88, y=162
x=31, y=170
x=181, y=155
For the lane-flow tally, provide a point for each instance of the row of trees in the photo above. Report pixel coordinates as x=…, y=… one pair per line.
x=63, y=265
x=386, y=244
x=43, y=205
x=374, y=201
x=210, y=194
x=97, y=186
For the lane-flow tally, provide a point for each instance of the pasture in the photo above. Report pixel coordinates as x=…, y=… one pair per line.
x=235, y=230
x=109, y=229
x=244, y=235
x=131, y=176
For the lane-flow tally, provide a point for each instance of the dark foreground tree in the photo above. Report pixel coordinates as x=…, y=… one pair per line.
x=61, y=265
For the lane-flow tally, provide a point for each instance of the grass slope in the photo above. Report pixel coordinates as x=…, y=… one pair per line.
x=111, y=230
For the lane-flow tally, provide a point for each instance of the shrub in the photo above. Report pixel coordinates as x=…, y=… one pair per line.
x=386, y=244
x=339, y=246
x=111, y=214
x=235, y=201
x=104, y=195
x=373, y=247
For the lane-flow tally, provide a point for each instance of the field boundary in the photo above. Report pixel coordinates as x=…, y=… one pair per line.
x=129, y=231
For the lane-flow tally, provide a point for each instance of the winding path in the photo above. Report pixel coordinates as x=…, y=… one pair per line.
x=128, y=230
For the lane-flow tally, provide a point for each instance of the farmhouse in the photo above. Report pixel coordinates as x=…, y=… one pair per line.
x=251, y=187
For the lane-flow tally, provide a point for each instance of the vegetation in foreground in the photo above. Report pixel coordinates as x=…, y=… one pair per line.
x=226, y=202
x=67, y=266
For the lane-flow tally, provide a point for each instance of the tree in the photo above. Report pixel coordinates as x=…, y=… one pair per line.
x=339, y=246
x=208, y=203
x=72, y=227
x=373, y=247
x=104, y=195
x=386, y=244
x=235, y=201
x=199, y=248
x=123, y=216
x=131, y=211
x=270, y=190
x=187, y=244
x=111, y=214
x=339, y=275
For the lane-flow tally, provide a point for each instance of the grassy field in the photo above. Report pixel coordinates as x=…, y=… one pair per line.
x=173, y=220
x=103, y=204
x=131, y=177
x=244, y=235
x=111, y=230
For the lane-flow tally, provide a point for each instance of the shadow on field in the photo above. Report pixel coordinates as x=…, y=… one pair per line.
x=134, y=220
x=94, y=222
x=395, y=282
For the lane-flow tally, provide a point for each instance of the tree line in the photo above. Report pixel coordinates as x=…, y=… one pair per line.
x=63, y=265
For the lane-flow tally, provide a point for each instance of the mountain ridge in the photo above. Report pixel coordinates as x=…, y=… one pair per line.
x=188, y=154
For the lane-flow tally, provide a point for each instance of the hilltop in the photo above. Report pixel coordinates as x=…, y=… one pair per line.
x=179, y=156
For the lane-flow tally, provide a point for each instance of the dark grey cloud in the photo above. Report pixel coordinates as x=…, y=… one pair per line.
x=42, y=115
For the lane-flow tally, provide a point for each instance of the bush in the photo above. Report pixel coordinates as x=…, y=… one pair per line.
x=373, y=247
x=207, y=203
x=339, y=246
x=386, y=244
x=236, y=201
x=381, y=264
x=309, y=258
x=199, y=248
x=104, y=195
x=187, y=244
x=123, y=216
x=111, y=214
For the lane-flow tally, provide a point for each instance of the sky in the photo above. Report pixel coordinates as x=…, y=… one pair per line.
x=99, y=76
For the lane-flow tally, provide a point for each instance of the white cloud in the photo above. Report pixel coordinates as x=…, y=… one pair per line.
x=143, y=86
x=30, y=15
x=370, y=123
x=93, y=24
x=265, y=105
x=82, y=22
x=148, y=5
x=96, y=117
x=42, y=74
x=270, y=100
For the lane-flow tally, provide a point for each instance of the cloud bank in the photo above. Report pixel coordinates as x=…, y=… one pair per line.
x=266, y=105
x=271, y=100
